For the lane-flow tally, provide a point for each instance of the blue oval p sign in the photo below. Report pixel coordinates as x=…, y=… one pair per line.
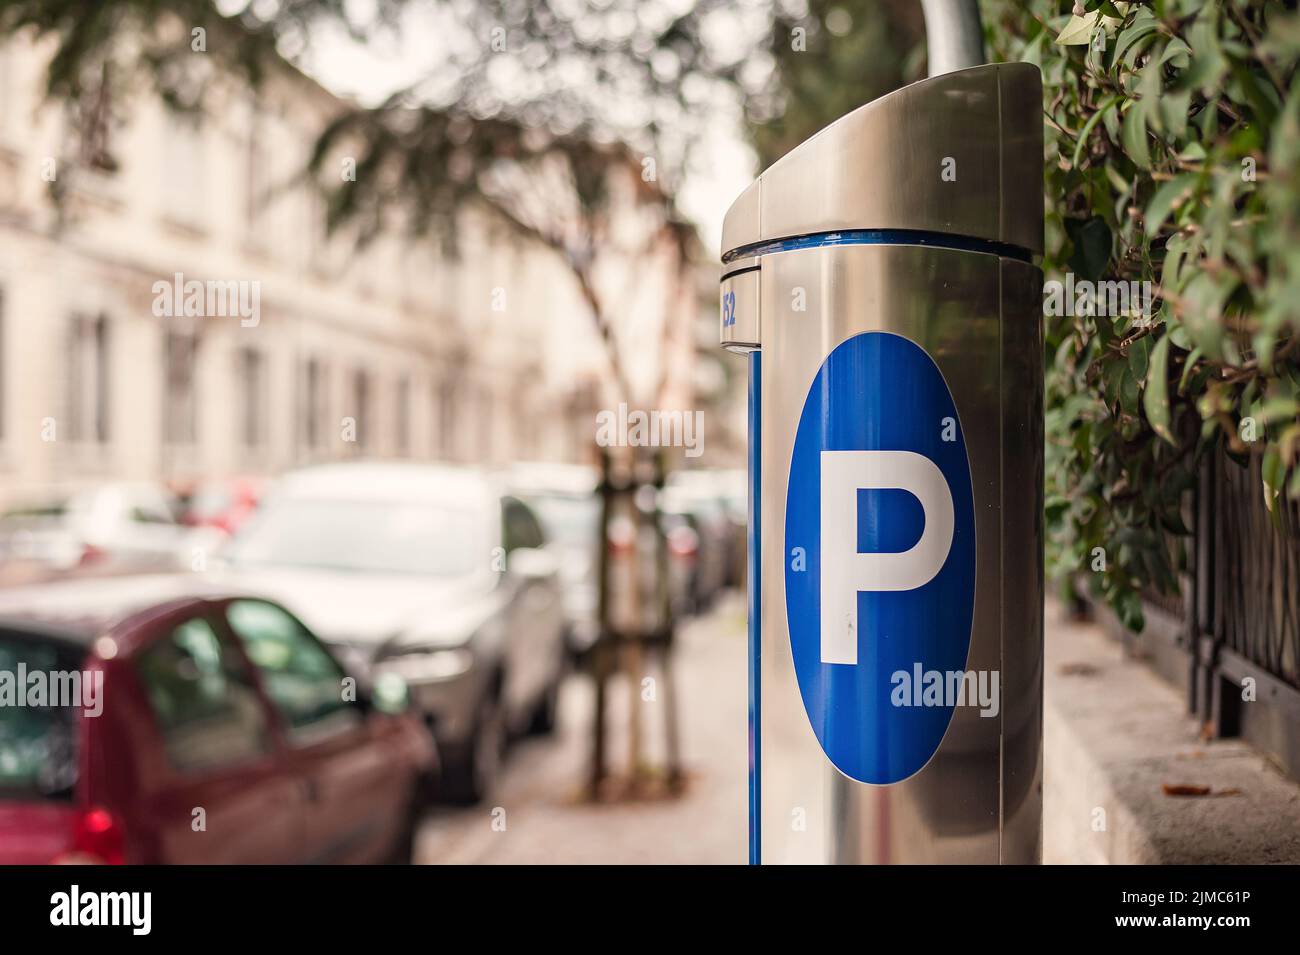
x=880, y=555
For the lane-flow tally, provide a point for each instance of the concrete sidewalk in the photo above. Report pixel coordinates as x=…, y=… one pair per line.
x=536, y=815
x=1115, y=735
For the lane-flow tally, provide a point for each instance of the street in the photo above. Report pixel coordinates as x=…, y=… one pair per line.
x=536, y=814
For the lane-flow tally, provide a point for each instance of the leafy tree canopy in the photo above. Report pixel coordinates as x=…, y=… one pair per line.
x=1173, y=156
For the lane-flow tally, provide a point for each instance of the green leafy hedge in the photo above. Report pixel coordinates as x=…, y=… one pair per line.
x=1173, y=156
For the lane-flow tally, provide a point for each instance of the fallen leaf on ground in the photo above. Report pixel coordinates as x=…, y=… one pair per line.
x=1078, y=669
x=1184, y=789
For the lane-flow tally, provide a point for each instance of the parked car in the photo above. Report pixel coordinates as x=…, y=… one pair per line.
x=225, y=733
x=691, y=498
x=685, y=582
x=566, y=499
x=434, y=573
x=222, y=504
x=119, y=527
x=733, y=493
x=718, y=501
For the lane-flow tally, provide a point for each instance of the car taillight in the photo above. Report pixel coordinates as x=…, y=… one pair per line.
x=97, y=838
x=683, y=542
x=621, y=537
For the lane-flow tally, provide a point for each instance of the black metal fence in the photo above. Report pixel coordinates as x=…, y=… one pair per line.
x=1254, y=591
x=1231, y=639
x=1242, y=625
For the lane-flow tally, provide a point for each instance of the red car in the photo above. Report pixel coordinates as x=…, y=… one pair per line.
x=208, y=728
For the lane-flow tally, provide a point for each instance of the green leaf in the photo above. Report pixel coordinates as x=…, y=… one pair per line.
x=1273, y=471
x=1150, y=90
x=1155, y=401
x=1174, y=107
x=1078, y=32
x=1128, y=392
x=1129, y=609
x=1176, y=48
x=1088, y=127
x=1092, y=247
x=1133, y=136
x=1203, y=321
x=1278, y=409
x=1208, y=64
x=1144, y=24
x=1175, y=251
x=1188, y=367
x=1169, y=195
x=1139, y=353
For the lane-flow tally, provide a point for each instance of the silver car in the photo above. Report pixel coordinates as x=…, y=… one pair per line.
x=566, y=499
x=434, y=573
x=119, y=527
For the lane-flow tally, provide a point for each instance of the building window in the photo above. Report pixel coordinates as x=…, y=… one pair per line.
x=250, y=373
x=525, y=437
x=486, y=423
x=317, y=228
x=446, y=418
x=256, y=172
x=360, y=408
x=312, y=405
x=8, y=104
x=4, y=368
x=87, y=381
x=185, y=171
x=4, y=377
x=402, y=416
x=180, y=409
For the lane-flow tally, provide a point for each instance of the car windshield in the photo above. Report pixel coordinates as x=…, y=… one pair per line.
x=33, y=515
x=401, y=537
x=37, y=750
x=571, y=520
x=211, y=501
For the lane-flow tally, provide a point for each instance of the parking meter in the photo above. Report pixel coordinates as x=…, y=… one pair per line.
x=880, y=278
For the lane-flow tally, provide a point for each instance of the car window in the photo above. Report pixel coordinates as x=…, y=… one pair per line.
x=569, y=519
x=521, y=526
x=149, y=509
x=142, y=514
x=386, y=537
x=203, y=699
x=37, y=743
x=211, y=500
x=35, y=512
x=304, y=682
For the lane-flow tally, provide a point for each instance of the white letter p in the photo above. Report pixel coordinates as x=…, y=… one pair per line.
x=844, y=571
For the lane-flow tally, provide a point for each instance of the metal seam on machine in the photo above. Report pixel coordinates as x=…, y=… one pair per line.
x=942, y=240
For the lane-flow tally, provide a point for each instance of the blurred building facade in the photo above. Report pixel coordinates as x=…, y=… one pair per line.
x=395, y=350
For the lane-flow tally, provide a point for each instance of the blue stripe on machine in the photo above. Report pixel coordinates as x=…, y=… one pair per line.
x=754, y=583
x=942, y=240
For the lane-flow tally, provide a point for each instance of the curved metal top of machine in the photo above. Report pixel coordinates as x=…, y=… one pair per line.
x=882, y=166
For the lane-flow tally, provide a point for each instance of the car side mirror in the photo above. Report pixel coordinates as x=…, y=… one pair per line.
x=531, y=563
x=385, y=692
x=389, y=694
